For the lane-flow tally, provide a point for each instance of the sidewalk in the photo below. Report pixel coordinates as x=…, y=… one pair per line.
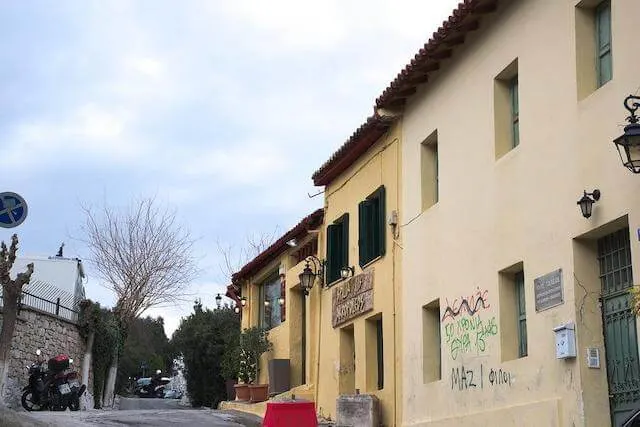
x=11, y=418
x=243, y=418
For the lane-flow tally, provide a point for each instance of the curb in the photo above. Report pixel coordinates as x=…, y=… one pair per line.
x=11, y=418
x=244, y=418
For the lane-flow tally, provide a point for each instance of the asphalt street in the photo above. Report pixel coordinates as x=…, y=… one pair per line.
x=133, y=412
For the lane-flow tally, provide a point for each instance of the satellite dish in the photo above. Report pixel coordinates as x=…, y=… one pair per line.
x=13, y=210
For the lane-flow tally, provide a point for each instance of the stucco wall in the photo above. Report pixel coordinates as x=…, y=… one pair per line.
x=52, y=335
x=378, y=166
x=286, y=337
x=521, y=207
x=323, y=368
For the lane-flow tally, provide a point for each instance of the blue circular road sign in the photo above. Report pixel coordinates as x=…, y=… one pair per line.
x=13, y=210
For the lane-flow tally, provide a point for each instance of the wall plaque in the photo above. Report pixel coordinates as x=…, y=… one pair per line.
x=352, y=298
x=548, y=290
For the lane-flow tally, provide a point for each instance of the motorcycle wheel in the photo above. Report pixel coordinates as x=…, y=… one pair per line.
x=74, y=403
x=28, y=403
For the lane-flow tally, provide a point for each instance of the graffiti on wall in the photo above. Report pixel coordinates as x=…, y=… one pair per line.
x=463, y=378
x=467, y=330
x=469, y=334
x=470, y=305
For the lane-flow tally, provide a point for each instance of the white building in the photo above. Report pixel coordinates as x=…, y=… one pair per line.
x=56, y=286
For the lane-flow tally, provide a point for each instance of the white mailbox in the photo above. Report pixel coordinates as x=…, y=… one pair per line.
x=565, y=341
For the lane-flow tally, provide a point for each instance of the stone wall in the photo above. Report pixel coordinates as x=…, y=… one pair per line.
x=53, y=335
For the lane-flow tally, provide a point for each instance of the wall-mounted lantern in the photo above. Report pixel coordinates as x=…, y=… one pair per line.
x=346, y=272
x=308, y=276
x=243, y=301
x=587, y=201
x=628, y=144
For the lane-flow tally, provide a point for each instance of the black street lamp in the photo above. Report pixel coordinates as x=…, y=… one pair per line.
x=308, y=276
x=587, y=201
x=218, y=300
x=628, y=144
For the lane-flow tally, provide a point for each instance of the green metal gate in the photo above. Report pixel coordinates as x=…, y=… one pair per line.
x=619, y=323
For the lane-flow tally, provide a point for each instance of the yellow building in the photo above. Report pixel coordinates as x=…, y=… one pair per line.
x=360, y=316
x=268, y=292
x=341, y=338
x=515, y=306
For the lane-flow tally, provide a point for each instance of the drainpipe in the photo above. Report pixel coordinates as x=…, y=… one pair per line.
x=396, y=235
x=318, y=345
x=317, y=380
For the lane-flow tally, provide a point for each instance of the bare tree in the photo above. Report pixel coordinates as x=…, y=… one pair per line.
x=233, y=258
x=11, y=290
x=144, y=256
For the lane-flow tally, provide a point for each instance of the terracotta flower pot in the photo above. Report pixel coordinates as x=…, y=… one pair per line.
x=242, y=392
x=259, y=392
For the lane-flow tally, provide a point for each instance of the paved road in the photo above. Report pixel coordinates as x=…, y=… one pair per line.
x=136, y=412
x=128, y=404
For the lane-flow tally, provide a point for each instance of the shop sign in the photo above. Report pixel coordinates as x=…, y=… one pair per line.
x=352, y=298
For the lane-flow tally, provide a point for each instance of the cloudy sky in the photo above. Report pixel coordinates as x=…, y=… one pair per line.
x=221, y=108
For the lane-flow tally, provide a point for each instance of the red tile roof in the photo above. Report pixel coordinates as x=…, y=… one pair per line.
x=276, y=249
x=363, y=138
x=464, y=19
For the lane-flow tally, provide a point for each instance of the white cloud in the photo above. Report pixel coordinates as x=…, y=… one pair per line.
x=148, y=67
x=292, y=23
x=90, y=130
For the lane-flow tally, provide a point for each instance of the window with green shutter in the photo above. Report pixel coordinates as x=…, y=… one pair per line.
x=337, y=247
x=515, y=112
x=522, y=314
x=603, y=42
x=380, y=353
x=371, y=227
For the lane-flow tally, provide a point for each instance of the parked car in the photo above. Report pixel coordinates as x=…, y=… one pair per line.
x=173, y=394
x=148, y=387
x=140, y=383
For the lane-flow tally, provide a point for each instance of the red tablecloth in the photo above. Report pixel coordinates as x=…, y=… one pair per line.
x=290, y=414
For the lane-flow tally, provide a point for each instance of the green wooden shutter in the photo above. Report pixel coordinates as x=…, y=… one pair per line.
x=344, y=250
x=331, y=235
x=515, y=112
x=363, y=229
x=603, y=36
x=522, y=314
x=380, y=353
x=380, y=223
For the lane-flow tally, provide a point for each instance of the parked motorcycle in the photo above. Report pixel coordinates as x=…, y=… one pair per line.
x=50, y=387
x=152, y=387
x=73, y=381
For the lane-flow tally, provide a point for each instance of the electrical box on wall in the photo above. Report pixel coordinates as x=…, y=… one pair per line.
x=565, y=341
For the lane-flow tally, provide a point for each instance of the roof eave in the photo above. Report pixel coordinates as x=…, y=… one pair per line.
x=360, y=141
x=464, y=19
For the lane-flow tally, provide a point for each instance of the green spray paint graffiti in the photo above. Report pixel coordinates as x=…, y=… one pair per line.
x=469, y=334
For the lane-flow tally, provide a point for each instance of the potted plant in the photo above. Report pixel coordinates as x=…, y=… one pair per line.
x=230, y=371
x=254, y=342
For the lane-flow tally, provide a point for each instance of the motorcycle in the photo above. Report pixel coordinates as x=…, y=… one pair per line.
x=73, y=381
x=50, y=387
x=152, y=387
